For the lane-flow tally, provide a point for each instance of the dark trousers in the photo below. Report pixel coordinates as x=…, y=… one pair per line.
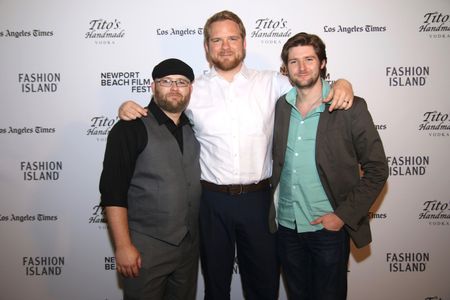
x=238, y=222
x=314, y=264
x=168, y=272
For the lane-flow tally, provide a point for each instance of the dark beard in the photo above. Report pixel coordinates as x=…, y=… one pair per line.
x=171, y=106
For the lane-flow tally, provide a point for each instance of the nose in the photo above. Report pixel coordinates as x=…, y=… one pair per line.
x=174, y=86
x=302, y=65
x=225, y=43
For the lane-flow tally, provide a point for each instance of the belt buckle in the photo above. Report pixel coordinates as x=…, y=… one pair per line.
x=236, y=189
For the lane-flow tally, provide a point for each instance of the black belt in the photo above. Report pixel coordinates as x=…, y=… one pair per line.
x=236, y=189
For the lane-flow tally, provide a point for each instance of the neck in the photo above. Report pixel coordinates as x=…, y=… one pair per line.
x=311, y=94
x=309, y=98
x=175, y=117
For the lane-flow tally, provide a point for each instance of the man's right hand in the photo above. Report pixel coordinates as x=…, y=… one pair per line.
x=130, y=110
x=128, y=261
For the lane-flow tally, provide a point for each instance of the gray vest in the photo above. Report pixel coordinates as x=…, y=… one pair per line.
x=165, y=191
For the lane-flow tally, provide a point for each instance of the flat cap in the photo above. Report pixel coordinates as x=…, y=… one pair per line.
x=173, y=66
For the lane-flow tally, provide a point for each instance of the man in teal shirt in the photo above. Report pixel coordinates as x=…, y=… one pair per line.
x=302, y=198
x=320, y=197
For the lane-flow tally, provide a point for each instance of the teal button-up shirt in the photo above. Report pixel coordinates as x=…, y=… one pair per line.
x=302, y=197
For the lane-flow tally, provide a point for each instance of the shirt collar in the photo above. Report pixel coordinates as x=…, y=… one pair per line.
x=291, y=96
x=162, y=118
x=244, y=72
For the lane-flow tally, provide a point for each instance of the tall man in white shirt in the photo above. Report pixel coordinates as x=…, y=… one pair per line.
x=232, y=109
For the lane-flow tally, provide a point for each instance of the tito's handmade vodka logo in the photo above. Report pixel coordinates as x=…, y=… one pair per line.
x=271, y=30
x=105, y=31
x=436, y=24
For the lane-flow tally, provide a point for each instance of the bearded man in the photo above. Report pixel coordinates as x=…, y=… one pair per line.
x=320, y=198
x=150, y=186
x=232, y=111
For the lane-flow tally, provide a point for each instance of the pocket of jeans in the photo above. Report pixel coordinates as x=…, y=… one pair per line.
x=331, y=231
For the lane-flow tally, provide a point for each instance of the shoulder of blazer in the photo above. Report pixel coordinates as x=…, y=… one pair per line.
x=358, y=104
x=282, y=106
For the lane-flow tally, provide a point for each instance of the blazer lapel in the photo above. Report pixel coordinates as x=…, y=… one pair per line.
x=285, y=118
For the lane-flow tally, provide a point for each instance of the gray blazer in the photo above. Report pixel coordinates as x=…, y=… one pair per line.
x=345, y=141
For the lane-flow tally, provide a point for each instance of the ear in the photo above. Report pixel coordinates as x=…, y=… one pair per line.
x=205, y=45
x=283, y=69
x=323, y=64
x=153, y=87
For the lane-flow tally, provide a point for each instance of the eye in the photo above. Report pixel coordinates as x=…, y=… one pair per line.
x=182, y=83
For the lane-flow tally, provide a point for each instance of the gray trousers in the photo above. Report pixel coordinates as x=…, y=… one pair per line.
x=168, y=272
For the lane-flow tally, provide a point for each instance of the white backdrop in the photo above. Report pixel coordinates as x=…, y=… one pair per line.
x=65, y=68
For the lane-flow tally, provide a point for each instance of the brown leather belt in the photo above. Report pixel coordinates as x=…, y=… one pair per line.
x=236, y=189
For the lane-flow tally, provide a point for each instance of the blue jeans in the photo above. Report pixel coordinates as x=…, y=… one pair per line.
x=314, y=264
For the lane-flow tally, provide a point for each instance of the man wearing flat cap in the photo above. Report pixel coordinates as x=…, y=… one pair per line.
x=150, y=188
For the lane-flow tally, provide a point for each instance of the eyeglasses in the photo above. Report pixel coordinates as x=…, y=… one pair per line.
x=168, y=83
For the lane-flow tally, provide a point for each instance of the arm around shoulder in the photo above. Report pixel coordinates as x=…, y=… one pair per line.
x=130, y=110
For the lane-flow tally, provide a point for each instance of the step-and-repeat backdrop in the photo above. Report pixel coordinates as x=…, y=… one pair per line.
x=66, y=66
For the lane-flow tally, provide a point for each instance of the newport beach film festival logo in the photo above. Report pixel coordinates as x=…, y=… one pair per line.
x=436, y=25
x=104, y=31
x=132, y=79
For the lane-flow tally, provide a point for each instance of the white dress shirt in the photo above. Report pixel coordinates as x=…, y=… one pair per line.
x=233, y=121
